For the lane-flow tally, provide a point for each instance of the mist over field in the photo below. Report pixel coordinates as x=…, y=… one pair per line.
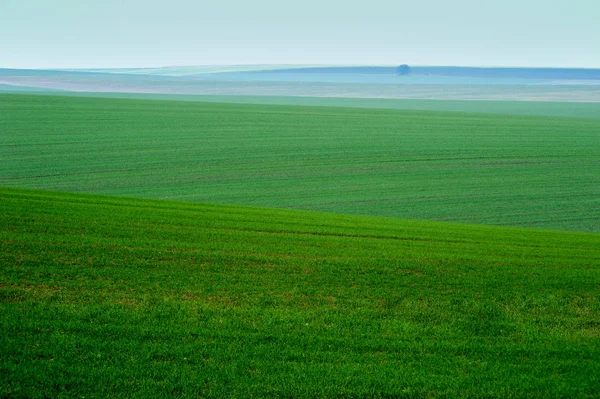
x=432, y=83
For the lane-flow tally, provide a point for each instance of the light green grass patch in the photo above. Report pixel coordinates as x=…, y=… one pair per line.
x=105, y=296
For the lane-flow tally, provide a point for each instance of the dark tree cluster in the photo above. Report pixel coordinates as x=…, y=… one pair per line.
x=403, y=70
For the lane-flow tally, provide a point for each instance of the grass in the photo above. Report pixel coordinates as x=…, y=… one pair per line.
x=566, y=109
x=539, y=108
x=527, y=171
x=117, y=297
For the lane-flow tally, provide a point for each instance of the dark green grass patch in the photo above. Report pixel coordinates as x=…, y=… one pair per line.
x=114, y=297
x=473, y=168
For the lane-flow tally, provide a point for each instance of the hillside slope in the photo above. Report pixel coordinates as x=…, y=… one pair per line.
x=115, y=297
x=449, y=166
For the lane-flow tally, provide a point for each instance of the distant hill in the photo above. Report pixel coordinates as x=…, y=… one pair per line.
x=371, y=70
x=449, y=71
x=526, y=73
x=433, y=83
x=21, y=89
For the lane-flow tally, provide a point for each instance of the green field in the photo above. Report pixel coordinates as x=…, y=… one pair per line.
x=115, y=297
x=568, y=109
x=537, y=171
x=540, y=108
x=130, y=294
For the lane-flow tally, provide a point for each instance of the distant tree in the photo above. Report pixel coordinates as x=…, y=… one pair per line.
x=403, y=70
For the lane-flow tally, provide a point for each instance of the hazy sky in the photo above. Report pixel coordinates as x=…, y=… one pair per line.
x=136, y=33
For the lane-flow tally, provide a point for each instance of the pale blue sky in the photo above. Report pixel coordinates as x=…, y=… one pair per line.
x=138, y=33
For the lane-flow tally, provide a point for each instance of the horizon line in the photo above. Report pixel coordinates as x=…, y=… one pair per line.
x=301, y=65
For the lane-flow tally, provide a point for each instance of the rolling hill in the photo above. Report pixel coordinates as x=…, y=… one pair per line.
x=104, y=296
x=529, y=171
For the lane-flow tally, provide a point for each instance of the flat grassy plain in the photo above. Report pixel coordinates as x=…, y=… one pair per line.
x=120, y=297
x=449, y=166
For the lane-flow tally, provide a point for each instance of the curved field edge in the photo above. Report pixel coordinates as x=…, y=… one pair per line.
x=106, y=296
